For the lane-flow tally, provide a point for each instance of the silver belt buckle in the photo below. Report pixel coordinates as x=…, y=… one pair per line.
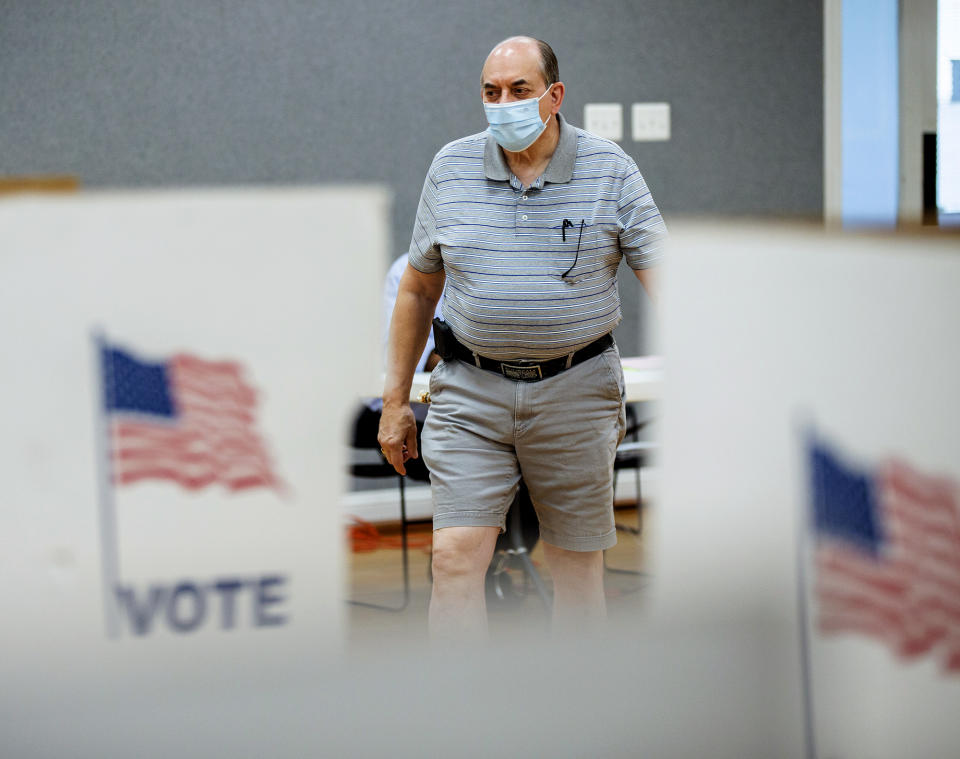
x=524, y=373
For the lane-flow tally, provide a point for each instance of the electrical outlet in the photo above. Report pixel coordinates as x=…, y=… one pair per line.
x=604, y=120
x=650, y=122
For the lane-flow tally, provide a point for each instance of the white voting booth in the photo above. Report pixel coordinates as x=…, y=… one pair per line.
x=138, y=559
x=774, y=337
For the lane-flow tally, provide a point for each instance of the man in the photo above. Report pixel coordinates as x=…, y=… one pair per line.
x=526, y=223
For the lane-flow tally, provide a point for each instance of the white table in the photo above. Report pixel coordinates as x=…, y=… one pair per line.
x=643, y=375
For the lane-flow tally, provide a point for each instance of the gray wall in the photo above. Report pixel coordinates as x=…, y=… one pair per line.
x=129, y=93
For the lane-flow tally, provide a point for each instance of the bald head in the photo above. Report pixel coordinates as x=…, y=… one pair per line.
x=515, y=49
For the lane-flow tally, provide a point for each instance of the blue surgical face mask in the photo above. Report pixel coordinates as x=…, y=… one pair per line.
x=517, y=125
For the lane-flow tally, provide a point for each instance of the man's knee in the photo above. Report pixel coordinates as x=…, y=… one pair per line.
x=462, y=552
x=577, y=566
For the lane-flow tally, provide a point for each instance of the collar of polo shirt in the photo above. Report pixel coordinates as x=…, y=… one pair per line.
x=558, y=171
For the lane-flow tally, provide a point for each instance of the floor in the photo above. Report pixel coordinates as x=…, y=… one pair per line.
x=375, y=575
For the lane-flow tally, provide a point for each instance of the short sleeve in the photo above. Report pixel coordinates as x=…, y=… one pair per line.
x=641, y=227
x=424, y=247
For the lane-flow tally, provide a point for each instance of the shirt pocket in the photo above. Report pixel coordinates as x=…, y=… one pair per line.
x=591, y=251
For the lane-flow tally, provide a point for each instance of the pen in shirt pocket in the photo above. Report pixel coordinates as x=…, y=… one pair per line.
x=563, y=232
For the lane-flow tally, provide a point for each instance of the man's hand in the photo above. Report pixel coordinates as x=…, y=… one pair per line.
x=398, y=435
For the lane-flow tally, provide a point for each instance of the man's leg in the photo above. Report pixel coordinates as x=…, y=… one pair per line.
x=458, y=607
x=579, y=605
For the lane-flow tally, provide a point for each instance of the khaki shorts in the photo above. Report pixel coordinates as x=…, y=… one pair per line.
x=483, y=430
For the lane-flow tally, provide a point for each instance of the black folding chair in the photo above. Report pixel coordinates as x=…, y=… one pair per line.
x=517, y=542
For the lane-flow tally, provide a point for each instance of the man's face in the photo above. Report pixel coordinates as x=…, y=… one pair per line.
x=512, y=72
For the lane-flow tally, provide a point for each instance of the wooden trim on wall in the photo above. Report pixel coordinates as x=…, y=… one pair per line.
x=41, y=183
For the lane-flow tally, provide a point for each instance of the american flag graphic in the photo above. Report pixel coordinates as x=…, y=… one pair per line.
x=185, y=419
x=887, y=555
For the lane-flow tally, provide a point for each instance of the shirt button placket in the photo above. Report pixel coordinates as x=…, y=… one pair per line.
x=523, y=216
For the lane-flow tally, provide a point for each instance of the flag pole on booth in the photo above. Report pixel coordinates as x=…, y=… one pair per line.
x=803, y=532
x=109, y=553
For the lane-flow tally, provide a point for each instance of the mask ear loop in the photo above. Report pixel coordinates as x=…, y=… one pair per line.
x=551, y=115
x=577, y=256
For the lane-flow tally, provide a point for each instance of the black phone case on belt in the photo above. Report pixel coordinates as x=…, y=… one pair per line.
x=443, y=339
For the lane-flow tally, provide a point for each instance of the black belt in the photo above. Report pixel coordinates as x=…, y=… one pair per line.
x=532, y=371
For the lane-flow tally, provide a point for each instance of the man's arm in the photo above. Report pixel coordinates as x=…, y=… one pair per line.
x=416, y=300
x=648, y=279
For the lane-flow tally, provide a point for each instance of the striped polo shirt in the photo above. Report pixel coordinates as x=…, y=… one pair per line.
x=505, y=249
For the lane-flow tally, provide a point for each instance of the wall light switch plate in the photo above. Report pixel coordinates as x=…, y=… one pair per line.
x=604, y=120
x=650, y=122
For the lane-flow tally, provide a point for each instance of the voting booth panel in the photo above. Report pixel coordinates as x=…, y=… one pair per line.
x=805, y=373
x=173, y=366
